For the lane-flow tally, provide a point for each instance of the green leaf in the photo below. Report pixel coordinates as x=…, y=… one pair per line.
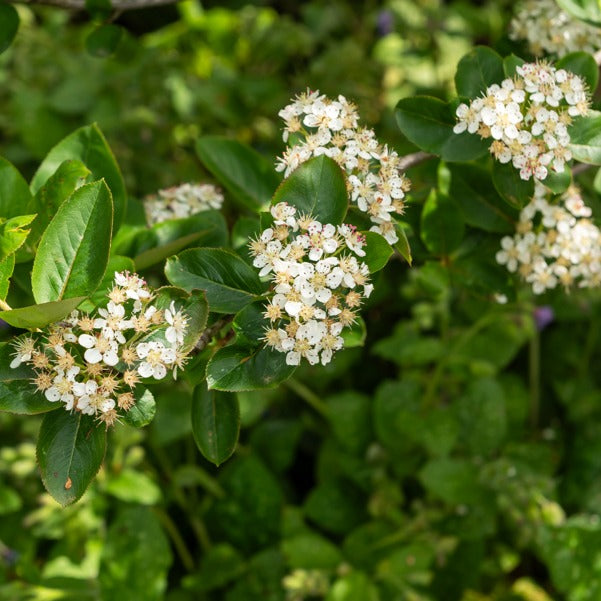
x=9, y=24
x=134, y=487
x=219, y=565
x=236, y=368
x=115, y=263
x=245, y=174
x=355, y=586
x=442, y=225
x=478, y=70
x=230, y=283
x=12, y=234
x=354, y=335
x=39, y=316
x=88, y=145
x=558, y=182
x=318, y=188
x=14, y=191
x=59, y=186
x=135, y=557
x=215, y=423
x=428, y=122
x=511, y=187
x=472, y=189
x=455, y=481
x=311, y=551
x=249, y=324
x=402, y=246
x=70, y=450
x=20, y=396
x=143, y=412
x=377, y=251
x=587, y=10
x=74, y=250
x=585, y=135
x=7, y=266
x=349, y=415
x=103, y=41
x=583, y=65
x=510, y=63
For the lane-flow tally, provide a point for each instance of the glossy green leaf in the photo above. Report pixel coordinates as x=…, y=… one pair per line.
x=442, y=225
x=20, y=396
x=510, y=186
x=585, y=135
x=59, y=186
x=583, y=65
x=103, y=41
x=9, y=25
x=14, y=191
x=558, y=182
x=13, y=233
x=215, y=423
x=510, y=63
x=7, y=266
x=39, y=316
x=88, y=145
x=377, y=251
x=318, y=188
x=250, y=323
x=472, y=189
x=428, y=122
x=477, y=70
x=402, y=246
x=70, y=450
x=74, y=250
x=249, y=177
x=143, y=412
x=587, y=10
x=230, y=283
x=235, y=368
x=355, y=335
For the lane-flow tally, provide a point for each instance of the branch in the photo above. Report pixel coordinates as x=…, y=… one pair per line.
x=206, y=336
x=119, y=5
x=411, y=160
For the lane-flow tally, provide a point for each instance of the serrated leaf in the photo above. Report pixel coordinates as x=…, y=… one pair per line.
x=230, y=283
x=585, y=138
x=215, y=423
x=428, y=122
x=88, y=145
x=39, y=316
x=103, y=41
x=70, y=450
x=236, y=368
x=583, y=65
x=143, y=412
x=9, y=25
x=511, y=187
x=14, y=191
x=249, y=177
x=74, y=250
x=318, y=188
x=442, y=225
x=477, y=70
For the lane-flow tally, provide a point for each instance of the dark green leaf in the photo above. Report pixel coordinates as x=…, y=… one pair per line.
x=13, y=234
x=510, y=63
x=249, y=324
x=246, y=175
x=377, y=251
x=511, y=187
x=428, y=122
x=215, y=423
x=583, y=65
x=88, y=145
x=455, y=481
x=587, y=10
x=219, y=565
x=442, y=225
x=229, y=282
x=20, y=396
x=355, y=335
x=236, y=368
x=74, y=250
x=39, y=316
x=558, y=182
x=142, y=413
x=317, y=188
x=103, y=42
x=70, y=450
x=9, y=24
x=585, y=134
x=402, y=246
x=477, y=70
x=14, y=191
x=349, y=415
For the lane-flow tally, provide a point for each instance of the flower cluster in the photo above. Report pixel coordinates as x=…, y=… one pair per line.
x=527, y=118
x=182, y=201
x=318, y=283
x=550, y=30
x=93, y=362
x=322, y=126
x=554, y=243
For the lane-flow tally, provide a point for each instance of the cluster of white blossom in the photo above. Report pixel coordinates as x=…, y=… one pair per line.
x=527, y=118
x=93, y=362
x=550, y=30
x=322, y=126
x=318, y=283
x=182, y=201
x=554, y=243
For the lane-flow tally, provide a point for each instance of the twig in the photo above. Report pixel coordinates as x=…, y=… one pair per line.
x=581, y=168
x=120, y=5
x=206, y=336
x=411, y=160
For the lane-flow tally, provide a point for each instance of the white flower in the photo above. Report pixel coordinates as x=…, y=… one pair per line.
x=99, y=348
x=178, y=323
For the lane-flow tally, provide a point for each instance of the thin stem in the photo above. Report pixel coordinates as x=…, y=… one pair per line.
x=176, y=538
x=307, y=395
x=411, y=160
x=211, y=331
x=534, y=376
x=4, y=306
